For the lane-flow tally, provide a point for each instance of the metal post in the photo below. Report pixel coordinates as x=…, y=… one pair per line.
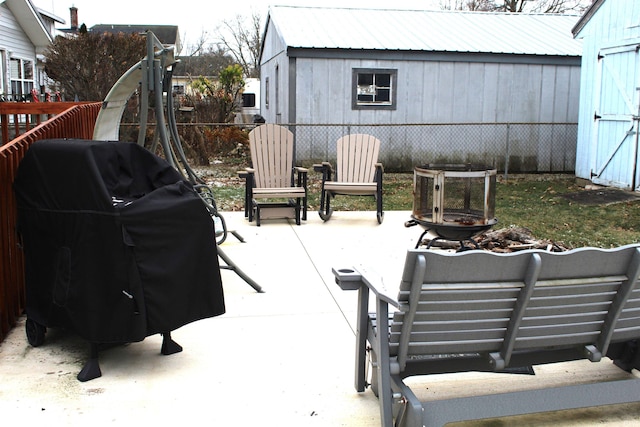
x=507, y=153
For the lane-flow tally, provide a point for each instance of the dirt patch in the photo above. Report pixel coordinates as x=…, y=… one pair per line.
x=601, y=196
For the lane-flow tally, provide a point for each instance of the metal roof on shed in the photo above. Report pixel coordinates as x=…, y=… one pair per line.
x=424, y=30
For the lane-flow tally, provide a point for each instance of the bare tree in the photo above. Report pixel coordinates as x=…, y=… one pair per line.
x=209, y=62
x=472, y=5
x=243, y=40
x=87, y=66
x=544, y=6
x=199, y=46
x=515, y=6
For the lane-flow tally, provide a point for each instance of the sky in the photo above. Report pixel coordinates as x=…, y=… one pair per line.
x=194, y=18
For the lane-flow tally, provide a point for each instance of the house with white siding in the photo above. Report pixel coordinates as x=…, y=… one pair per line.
x=339, y=65
x=607, y=150
x=25, y=33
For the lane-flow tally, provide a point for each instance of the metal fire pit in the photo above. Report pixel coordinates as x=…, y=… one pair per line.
x=454, y=201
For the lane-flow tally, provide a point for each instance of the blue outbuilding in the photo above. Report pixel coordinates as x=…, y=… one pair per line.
x=607, y=150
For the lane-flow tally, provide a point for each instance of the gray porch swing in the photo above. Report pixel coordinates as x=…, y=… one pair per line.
x=154, y=74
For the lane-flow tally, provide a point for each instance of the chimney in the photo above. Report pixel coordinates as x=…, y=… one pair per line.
x=74, y=17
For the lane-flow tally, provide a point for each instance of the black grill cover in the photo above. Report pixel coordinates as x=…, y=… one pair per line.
x=117, y=244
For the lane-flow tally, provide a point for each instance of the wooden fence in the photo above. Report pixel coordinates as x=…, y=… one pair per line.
x=63, y=120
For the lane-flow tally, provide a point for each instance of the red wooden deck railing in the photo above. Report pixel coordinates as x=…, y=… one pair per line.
x=67, y=120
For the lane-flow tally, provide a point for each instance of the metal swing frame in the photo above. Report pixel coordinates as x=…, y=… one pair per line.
x=153, y=75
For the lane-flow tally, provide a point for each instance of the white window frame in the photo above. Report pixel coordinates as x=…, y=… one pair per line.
x=3, y=72
x=21, y=79
x=379, y=92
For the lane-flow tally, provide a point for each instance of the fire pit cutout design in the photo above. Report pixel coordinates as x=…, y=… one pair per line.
x=455, y=201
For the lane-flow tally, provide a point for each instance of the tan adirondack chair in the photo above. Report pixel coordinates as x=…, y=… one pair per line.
x=357, y=173
x=275, y=188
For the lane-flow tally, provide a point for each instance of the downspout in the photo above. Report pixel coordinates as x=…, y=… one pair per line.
x=291, y=110
x=634, y=183
x=291, y=100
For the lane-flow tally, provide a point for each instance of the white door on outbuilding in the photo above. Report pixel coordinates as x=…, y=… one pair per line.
x=615, y=155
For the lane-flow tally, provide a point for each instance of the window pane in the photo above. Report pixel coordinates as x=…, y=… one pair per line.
x=248, y=99
x=383, y=95
x=16, y=87
x=28, y=70
x=383, y=80
x=365, y=79
x=16, y=72
x=2, y=71
x=366, y=90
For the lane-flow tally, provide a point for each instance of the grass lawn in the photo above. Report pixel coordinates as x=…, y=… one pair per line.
x=532, y=201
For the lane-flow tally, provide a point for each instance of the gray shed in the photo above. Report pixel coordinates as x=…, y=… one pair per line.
x=607, y=151
x=332, y=65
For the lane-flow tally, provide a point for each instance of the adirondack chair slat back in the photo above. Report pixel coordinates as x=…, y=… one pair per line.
x=357, y=155
x=271, y=148
x=479, y=301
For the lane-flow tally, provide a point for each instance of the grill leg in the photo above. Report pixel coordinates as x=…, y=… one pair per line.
x=169, y=346
x=91, y=369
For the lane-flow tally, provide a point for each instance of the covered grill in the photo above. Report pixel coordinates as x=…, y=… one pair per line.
x=454, y=201
x=117, y=245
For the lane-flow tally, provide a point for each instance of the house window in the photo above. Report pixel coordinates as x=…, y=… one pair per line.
x=21, y=75
x=178, y=89
x=3, y=91
x=374, y=88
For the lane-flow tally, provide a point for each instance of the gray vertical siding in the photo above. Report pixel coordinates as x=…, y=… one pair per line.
x=441, y=92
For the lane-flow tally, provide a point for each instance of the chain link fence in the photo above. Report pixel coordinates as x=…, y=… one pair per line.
x=507, y=147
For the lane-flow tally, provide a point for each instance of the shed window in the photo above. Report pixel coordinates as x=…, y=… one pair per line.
x=374, y=88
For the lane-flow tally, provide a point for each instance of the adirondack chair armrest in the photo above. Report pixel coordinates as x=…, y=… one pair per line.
x=326, y=170
x=379, y=172
x=355, y=278
x=299, y=177
x=321, y=167
x=245, y=173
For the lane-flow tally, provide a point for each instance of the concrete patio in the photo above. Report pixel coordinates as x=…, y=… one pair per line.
x=279, y=358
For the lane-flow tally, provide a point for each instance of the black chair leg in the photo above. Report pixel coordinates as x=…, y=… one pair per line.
x=380, y=213
x=304, y=208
